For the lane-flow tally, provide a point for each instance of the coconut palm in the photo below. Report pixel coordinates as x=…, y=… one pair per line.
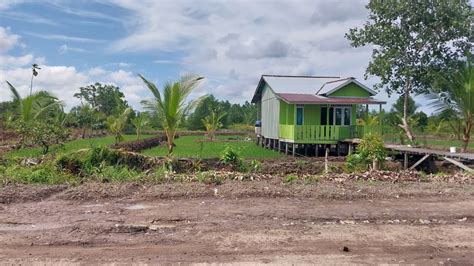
x=34, y=73
x=212, y=122
x=34, y=106
x=172, y=106
x=140, y=122
x=457, y=94
x=116, y=124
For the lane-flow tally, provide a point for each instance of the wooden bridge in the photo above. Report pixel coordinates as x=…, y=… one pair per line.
x=457, y=158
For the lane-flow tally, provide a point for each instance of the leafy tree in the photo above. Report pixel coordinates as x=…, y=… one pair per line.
x=457, y=94
x=212, y=123
x=41, y=134
x=33, y=124
x=117, y=123
x=108, y=99
x=203, y=109
x=140, y=122
x=173, y=106
x=413, y=41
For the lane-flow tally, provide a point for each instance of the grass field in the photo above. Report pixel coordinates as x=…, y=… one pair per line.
x=69, y=146
x=198, y=147
x=435, y=143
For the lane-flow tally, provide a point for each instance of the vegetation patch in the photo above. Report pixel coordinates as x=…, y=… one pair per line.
x=141, y=144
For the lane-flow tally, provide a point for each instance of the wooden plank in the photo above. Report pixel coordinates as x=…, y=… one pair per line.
x=459, y=164
x=420, y=161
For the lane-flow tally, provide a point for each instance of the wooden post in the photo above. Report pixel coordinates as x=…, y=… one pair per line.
x=349, y=152
x=381, y=118
x=305, y=149
x=326, y=161
x=286, y=148
x=338, y=149
x=316, y=150
x=293, y=146
x=405, y=160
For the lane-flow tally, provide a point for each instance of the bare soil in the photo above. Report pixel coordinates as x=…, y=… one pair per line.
x=238, y=223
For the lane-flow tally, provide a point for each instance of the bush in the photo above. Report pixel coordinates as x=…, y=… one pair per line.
x=41, y=134
x=370, y=150
x=39, y=174
x=140, y=145
x=231, y=157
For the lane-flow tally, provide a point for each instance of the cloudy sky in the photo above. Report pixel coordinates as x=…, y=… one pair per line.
x=231, y=43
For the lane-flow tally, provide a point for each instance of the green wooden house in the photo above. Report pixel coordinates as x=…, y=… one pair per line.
x=309, y=111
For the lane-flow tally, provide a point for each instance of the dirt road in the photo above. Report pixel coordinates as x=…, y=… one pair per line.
x=136, y=226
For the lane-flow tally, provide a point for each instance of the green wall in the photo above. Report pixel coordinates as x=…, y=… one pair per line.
x=350, y=90
x=312, y=114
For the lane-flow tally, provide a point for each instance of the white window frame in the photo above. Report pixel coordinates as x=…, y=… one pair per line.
x=342, y=115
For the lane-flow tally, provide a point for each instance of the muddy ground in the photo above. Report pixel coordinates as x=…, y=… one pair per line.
x=238, y=222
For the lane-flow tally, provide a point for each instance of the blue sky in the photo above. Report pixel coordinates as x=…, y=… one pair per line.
x=231, y=43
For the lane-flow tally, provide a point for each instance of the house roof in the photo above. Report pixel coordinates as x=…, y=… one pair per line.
x=291, y=84
x=310, y=89
x=304, y=98
x=334, y=85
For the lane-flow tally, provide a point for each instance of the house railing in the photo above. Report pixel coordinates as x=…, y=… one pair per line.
x=312, y=133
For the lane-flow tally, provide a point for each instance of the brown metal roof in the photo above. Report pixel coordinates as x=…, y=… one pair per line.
x=299, y=98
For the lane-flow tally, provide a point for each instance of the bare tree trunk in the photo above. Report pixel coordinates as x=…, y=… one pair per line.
x=170, y=136
x=467, y=134
x=404, y=124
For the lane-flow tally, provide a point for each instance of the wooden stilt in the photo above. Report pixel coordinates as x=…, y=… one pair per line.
x=305, y=149
x=349, y=152
x=405, y=160
x=326, y=160
x=294, y=147
x=338, y=149
x=316, y=150
x=420, y=161
x=286, y=148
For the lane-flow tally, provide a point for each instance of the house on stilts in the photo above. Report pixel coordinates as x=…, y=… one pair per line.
x=308, y=114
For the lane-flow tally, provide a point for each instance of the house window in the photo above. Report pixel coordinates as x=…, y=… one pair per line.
x=299, y=115
x=342, y=116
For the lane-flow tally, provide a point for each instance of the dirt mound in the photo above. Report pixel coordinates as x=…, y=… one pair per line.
x=26, y=193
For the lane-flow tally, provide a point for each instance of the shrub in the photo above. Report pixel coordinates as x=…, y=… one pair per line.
x=370, y=150
x=231, y=157
x=140, y=145
x=39, y=174
x=289, y=179
x=255, y=166
x=41, y=134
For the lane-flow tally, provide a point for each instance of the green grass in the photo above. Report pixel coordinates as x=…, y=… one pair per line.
x=437, y=143
x=192, y=146
x=70, y=146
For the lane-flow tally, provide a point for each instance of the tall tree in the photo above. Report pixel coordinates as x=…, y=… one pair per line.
x=172, y=105
x=412, y=41
x=34, y=73
x=108, y=99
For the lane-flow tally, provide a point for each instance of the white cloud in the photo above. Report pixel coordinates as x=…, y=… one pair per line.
x=64, y=81
x=60, y=37
x=7, y=39
x=233, y=44
x=63, y=49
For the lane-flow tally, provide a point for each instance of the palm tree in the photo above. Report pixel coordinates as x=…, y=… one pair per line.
x=116, y=124
x=212, y=122
x=457, y=94
x=140, y=122
x=172, y=106
x=34, y=73
x=33, y=106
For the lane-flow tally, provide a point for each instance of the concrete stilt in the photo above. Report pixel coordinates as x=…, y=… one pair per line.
x=286, y=148
x=294, y=147
x=316, y=146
